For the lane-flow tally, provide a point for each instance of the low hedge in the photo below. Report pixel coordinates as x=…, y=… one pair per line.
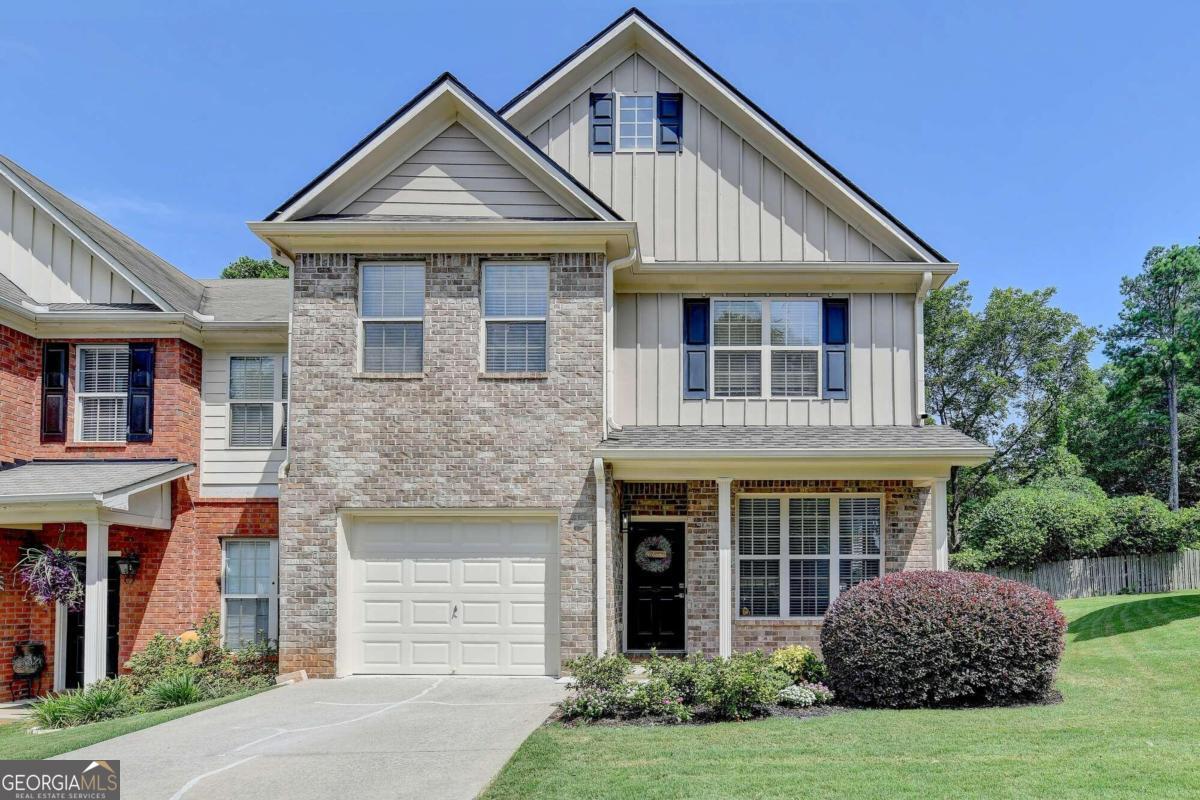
x=936, y=639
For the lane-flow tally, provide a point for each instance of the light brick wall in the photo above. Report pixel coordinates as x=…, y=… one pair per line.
x=452, y=439
x=908, y=544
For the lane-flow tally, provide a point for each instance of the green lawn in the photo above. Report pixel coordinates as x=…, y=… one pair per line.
x=1130, y=727
x=16, y=740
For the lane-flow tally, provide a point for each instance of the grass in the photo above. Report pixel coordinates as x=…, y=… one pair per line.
x=18, y=741
x=1127, y=729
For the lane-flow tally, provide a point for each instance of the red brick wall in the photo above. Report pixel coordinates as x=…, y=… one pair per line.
x=20, y=369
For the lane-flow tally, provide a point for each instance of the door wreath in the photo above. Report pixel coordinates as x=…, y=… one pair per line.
x=653, y=554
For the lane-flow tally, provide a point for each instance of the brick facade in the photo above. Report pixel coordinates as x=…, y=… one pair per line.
x=452, y=438
x=178, y=581
x=908, y=544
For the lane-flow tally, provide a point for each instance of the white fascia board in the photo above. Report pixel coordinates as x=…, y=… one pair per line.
x=634, y=35
x=119, y=498
x=105, y=256
x=965, y=456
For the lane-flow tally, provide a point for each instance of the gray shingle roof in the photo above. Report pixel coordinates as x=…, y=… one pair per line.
x=762, y=437
x=11, y=292
x=182, y=292
x=101, y=306
x=248, y=299
x=51, y=478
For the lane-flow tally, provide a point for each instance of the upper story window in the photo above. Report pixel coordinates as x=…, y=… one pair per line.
x=797, y=553
x=636, y=122
x=257, y=401
x=766, y=347
x=102, y=393
x=391, y=307
x=515, y=302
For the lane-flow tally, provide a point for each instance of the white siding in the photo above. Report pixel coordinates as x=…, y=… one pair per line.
x=232, y=471
x=49, y=264
x=719, y=199
x=457, y=175
x=647, y=360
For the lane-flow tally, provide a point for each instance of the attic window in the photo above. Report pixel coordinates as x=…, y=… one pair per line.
x=635, y=122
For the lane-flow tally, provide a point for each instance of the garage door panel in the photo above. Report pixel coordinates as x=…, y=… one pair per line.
x=440, y=596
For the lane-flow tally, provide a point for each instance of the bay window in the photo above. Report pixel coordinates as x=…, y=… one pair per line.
x=796, y=553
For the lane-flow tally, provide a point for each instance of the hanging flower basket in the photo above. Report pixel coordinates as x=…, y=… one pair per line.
x=51, y=575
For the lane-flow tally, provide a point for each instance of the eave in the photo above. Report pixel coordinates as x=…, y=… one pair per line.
x=786, y=276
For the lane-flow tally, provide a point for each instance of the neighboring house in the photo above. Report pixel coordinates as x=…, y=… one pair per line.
x=623, y=365
x=123, y=439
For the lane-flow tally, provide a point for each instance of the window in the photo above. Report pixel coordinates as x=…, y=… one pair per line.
x=778, y=359
x=635, y=122
x=515, y=299
x=797, y=553
x=391, y=306
x=102, y=394
x=249, y=593
x=257, y=385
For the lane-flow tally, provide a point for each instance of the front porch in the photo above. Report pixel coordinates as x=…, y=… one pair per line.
x=732, y=539
x=100, y=512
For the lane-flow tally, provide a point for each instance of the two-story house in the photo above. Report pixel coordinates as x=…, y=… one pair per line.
x=142, y=427
x=621, y=365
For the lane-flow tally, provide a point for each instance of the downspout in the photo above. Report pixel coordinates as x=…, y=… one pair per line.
x=919, y=360
x=609, y=370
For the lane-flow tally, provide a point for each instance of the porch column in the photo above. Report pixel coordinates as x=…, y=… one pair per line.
x=941, y=540
x=601, y=557
x=95, y=610
x=725, y=567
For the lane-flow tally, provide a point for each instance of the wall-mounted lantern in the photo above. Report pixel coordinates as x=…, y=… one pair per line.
x=128, y=565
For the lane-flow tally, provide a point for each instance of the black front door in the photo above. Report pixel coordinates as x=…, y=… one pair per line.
x=74, y=653
x=657, y=586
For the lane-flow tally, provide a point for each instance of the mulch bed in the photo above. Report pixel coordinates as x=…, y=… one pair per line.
x=701, y=717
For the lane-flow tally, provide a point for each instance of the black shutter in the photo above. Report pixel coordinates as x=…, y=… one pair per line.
x=695, y=349
x=835, y=335
x=54, y=392
x=141, y=392
x=602, y=123
x=670, y=122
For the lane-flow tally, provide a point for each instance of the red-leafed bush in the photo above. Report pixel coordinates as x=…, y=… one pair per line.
x=934, y=639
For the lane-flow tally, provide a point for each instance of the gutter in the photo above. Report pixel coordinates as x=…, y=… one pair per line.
x=688, y=453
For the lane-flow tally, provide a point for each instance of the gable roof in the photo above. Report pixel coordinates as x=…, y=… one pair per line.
x=445, y=101
x=634, y=28
x=165, y=284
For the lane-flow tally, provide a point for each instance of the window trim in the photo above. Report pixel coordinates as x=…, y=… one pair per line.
x=277, y=402
x=784, y=558
x=273, y=598
x=617, y=97
x=764, y=347
x=484, y=319
x=360, y=319
x=80, y=395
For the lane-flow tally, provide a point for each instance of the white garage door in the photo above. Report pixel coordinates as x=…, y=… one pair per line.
x=470, y=596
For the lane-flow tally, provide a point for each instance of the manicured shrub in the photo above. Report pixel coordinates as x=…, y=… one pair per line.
x=914, y=639
x=741, y=686
x=656, y=698
x=1024, y=527
x=604, y=673
x=102, y=700
x=799, y=663
x=220, y=671
x=1143, y=524
x=683, y=675
x=179, y=690
x=822, y=694
x=797, y=696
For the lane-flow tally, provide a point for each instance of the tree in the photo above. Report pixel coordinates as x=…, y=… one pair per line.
x=247, y=267
x=1003, y=376
x=1156, y=339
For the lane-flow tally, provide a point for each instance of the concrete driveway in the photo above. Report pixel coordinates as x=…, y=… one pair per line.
x=361, y=737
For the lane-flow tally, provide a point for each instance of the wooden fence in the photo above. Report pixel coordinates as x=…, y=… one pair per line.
x=1092, y=577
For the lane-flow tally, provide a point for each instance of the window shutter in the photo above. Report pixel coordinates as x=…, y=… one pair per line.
x=141, y=392
x=602, y=122
x=670, y=122
x=695, y=349
x=54, y=392
x=835, y=338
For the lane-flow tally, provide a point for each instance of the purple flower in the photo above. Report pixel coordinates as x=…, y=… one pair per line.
x=51, y=575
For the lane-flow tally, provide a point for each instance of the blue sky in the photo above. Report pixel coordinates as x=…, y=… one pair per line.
x=1037, y=143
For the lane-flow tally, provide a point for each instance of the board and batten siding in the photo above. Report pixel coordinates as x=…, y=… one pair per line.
x=456, y=175
x=231, y=471
x=50, y=265
x=717, y=199
x=647, y=362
